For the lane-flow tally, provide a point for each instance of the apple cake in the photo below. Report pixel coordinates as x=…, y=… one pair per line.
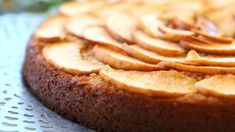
x=135, y=65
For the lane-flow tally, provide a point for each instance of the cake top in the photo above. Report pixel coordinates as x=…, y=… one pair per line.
x=154, y=47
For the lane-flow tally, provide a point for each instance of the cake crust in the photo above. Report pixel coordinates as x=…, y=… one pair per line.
x=99, y=105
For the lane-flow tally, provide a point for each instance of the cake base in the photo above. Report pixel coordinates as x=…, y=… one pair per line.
x=94, y=103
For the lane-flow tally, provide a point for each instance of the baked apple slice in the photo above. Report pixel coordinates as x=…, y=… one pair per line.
x=66, y=56
x=219, y=85
x=198, y=40
x=77, y=24
x=146, y=8
x=206, y=26
x=157, y=45
x=98, y=35
x=174, y=35
x=208, y=30
x=76, y=8
x=121, y=26
x=214, y=38
x=223, y=19
x=150, y=24
x=52, y=29
x=148, y=56
x=155, y=83
x=170, y=14
x=111, y=9
x=121, y=61
x=214, y=48
x=199, y=69
x=194, y=57
x=179, y=23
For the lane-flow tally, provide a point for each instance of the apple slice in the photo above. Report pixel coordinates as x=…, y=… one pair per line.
x=148, y=56
x=179, y=23
x=199, y=69
x=75, y=8
x=121, y=26
x=219, y=85
x=206, y=26
x=198, y=40
x=150, y=24
x=172, y=13
x=52, y=29
x=110, y=9
x=174, y=35
x=67, y=57
x=144, y=9
x=213, y=38
x=121, y=61
x=218, y=4
x=155, y=83
x=194, y=57
x=77, y=24
x=157, y=45
x=98, y=35
x=208, y=48
x=223, y=19
x=208, y=30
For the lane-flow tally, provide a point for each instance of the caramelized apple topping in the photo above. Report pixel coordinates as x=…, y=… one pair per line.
x=179, y=23
x=219, y=85
x=77, y=24
x=194, y=57
x=76, y=8
x=121, y=61
x=209, y=48
x=213, y=38
x=150, y=24
x=52, y=29
x=121, y=26
x=224, y=20
x=196, y=68
x=110, y=9
x=157, y=45
x=98, y=35
x=174, y=35
x=67, y=57
x=206, y=26
x=155, y=83
x=148, y=56
x=148, y=39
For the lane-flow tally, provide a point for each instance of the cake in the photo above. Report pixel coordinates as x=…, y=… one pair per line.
x=136, y=65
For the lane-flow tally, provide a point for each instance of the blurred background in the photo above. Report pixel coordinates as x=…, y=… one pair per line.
x=16, y=6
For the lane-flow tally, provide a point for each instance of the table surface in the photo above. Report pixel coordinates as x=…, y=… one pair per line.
x=19, y=110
